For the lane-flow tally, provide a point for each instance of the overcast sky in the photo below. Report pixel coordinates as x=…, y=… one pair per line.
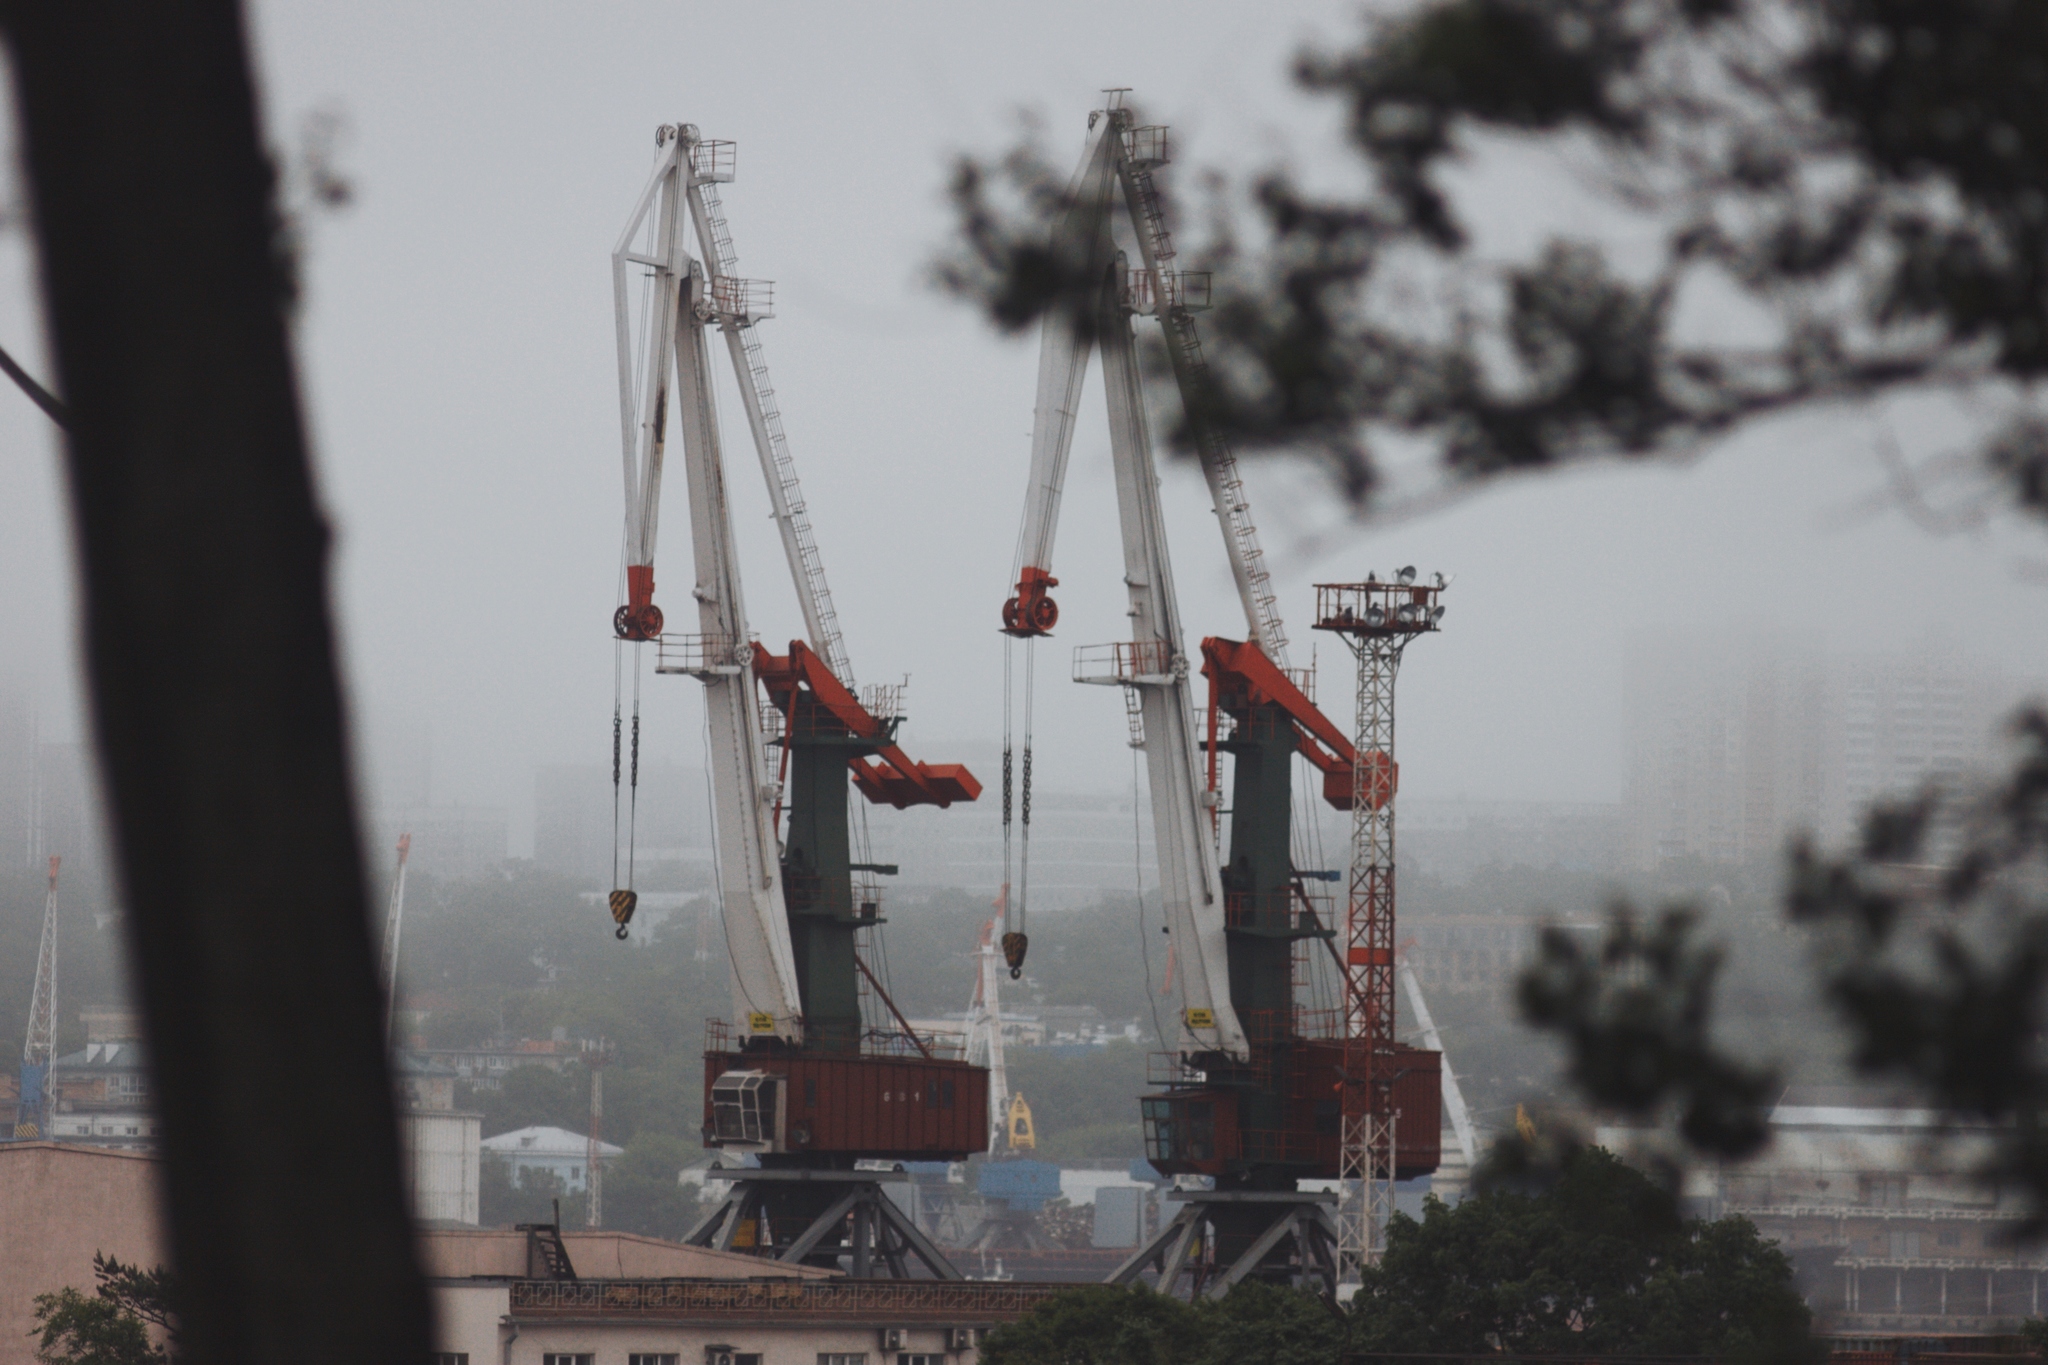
x=456, y=345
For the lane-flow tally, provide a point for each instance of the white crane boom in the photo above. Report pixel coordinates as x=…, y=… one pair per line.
x=1155, y=663
x=1063, y=355
x=1454, y=1098
x=1167, y=293
x=985, y=1033
x=764, y=983
x=394, y=924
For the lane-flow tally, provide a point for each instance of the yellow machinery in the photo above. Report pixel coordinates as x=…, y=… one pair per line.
x=1022, y=1138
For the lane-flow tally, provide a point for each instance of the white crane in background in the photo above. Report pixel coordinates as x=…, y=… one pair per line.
x=394, y=923
x=985, y=1033
x=764, y=980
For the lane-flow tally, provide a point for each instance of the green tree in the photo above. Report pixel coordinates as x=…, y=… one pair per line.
x=536, y=1096
x=1099, y=1325
x=642, y=1193
x=113, y=1326
x=1597, y=1262
x=1260, y=1324
x=530, y=1195
x=77, y=1330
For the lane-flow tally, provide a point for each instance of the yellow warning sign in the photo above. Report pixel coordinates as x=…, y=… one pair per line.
x=760, y=1021
x=1199, y=1018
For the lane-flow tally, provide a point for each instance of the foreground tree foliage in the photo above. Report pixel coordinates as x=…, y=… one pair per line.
x=112, y=1326
x=1859, y=188
x=1930, y=941
x=1101, y=1325
x=1597, y=1262
x=1843, y=201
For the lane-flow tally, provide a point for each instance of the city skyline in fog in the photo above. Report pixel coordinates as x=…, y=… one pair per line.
x=456, y=352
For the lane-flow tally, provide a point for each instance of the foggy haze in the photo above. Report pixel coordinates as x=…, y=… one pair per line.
x=456, y=349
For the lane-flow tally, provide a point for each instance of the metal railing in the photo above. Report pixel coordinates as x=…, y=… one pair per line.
x=741, y=302
x=1124, y=661
x=699, y=655
x=1148, y=294
x=1374, y=608
x=713, y=162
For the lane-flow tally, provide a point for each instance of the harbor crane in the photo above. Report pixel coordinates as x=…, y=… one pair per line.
x=798, y=1085
x=1257, y=1086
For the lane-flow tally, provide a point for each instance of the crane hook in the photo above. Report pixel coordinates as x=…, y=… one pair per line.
x=623, y=904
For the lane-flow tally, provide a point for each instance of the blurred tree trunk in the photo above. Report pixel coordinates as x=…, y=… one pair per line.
x=217, y=711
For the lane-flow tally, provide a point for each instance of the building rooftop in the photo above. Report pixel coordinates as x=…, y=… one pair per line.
x=545, y=1141
x=466, y=1253
x=128, y=1056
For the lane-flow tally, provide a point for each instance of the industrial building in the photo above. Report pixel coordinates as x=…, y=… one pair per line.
x=557, y=1151
x=1872, y=1198
x=496, y=1297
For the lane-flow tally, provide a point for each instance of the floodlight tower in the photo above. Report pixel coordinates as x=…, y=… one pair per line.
x=1378, y=620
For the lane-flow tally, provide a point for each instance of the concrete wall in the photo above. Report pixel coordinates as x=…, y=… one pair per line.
x=458, y=1253
x=469, y=1324
x=59, y=1203
x=443, y=1164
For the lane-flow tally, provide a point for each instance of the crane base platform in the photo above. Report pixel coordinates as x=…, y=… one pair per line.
x=1281, y=1236
x=834, y=1220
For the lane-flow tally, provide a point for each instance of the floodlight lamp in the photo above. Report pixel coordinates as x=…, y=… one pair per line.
x=1375, y=616
x=1437, y=579
x=1436, y=614
x=1371, y=576
x=1407, y=575
x=1408, y=613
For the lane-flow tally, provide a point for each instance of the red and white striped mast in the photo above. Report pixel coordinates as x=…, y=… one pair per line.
x=1378, y=620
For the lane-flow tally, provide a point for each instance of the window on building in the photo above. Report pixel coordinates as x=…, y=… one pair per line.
x=586, y=1358
x=637, y=1359
x=127, y=1086
x=842, y=1358
x=451, y=1358
x=575, y=1172
x=1949, y=1237
x=908, y=1359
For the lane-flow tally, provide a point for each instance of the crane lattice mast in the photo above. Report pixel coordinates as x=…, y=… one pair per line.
x=39, y=1051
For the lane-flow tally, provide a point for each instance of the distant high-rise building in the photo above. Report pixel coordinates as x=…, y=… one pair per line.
x=1732, y=746
x=1910, y=719
x=17, y=780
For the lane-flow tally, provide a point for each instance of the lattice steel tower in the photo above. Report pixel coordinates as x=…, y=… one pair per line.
x=32, y=1114
x=1378, y=620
